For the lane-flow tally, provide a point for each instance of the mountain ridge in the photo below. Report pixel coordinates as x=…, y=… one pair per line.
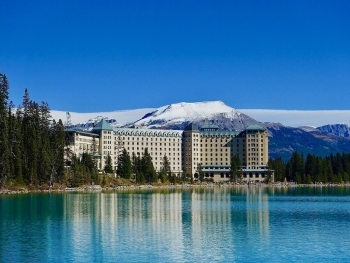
x=284, y=140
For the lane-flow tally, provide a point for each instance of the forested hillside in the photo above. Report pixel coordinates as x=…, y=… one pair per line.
x=334, y=168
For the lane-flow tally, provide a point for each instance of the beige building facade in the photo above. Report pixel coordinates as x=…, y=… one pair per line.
x=218, y=147
x=208, y=147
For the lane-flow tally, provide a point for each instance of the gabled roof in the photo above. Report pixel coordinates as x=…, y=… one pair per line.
x=255, y=128
x=102, y=125
x=191, y=127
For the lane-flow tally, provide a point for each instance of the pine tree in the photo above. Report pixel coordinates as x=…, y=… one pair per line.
x=235, y=169
x=124, y=169
x=108, y=166
x=89, y=167
x=279, y=168
x=148, y=168
x=58, y=146
x=17, y=147
x=4, y=140
x=136, y=164
x=46, y=152
x=165, y=171
x=200, y=172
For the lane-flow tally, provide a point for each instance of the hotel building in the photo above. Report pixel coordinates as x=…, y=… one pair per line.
x=208, y=146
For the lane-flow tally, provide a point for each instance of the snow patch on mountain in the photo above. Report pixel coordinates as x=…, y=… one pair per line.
x=184, y=112
x=308, y=128
x=122, y=117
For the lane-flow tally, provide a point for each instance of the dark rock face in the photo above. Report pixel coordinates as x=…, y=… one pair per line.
x=284, y=141
x=341, y=130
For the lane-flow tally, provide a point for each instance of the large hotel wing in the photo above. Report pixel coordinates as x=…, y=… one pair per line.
x=207, y=146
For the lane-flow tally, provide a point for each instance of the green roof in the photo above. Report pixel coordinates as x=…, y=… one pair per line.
x=81, y=132
x=191, y=127
x=209, y=125
x=255, y=128
x=219, y=133
x=102, y=125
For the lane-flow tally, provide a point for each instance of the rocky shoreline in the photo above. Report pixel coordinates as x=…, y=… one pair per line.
x=97, y=188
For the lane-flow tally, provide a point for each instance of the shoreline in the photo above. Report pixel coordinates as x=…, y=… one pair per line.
x=98, y=188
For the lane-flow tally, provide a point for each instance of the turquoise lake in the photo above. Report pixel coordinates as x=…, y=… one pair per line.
x=299, y=224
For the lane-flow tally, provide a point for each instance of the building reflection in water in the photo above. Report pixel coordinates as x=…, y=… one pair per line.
x=211, y=226
x=200, y=221
x=258, y=212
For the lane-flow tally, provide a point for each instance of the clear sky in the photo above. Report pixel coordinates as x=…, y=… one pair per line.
x=89, y=56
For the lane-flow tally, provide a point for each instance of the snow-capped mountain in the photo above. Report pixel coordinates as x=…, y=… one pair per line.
x=284, y=140
x=177, y=116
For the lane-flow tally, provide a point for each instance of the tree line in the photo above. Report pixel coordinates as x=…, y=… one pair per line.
x=334, y=168
x=31, y=143
x=141, y=169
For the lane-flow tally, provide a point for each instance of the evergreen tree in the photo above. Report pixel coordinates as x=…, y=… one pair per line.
x=17, y=139
x=57, y=146
x=136, y=164
x=4, y=140
x=108, y=166
x=124, y=168
x=235, y=169
x=148, y=168
x=200, y=172
x=279, y=168
x=90, y=168
x=165, y=171
x=46, y=152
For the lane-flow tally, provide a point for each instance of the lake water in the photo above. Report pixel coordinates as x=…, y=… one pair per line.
x=302, y=224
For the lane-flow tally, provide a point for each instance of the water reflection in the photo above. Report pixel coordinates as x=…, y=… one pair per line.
x=258, y=213
x=214, y=224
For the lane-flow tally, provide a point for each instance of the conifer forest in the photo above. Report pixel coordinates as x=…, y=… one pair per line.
x=33, y=146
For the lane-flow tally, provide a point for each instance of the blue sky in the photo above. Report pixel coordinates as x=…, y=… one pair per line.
x=89, y=56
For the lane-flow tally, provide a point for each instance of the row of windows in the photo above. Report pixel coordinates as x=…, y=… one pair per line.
x=254, y=149
x=255, y=159
x=255, y=145
x=156, y=149
x=151, y=139
x=216, y=154
x=211, y=150
x=146, y=143
x=255, y=140
x=216, y=140
x=255, y=154
x=216, y=159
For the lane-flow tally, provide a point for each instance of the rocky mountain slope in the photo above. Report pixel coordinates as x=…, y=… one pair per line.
x=341, y=130
x=283, y=140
